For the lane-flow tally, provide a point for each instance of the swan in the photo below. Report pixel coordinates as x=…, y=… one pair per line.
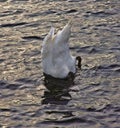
x=57, y=60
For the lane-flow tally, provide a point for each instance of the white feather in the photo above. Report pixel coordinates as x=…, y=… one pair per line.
x=56, y=58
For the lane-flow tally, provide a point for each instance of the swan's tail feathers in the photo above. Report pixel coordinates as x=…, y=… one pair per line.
x=49, y=36
x=51, y=32
x=68, y=25
x=65, y=32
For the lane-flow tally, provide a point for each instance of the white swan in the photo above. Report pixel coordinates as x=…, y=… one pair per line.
x=56, y=58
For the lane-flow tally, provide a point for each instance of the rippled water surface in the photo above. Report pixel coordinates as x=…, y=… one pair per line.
x=94, y=99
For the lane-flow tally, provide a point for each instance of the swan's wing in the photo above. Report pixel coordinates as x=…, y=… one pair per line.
x=47, y=42
x=51, y=32
x=63, y=35
x=49, y=36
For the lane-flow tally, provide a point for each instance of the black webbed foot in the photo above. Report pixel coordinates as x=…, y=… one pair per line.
x=79, y=59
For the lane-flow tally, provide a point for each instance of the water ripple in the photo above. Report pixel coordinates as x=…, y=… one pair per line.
x=26, y=98
x=13, y=24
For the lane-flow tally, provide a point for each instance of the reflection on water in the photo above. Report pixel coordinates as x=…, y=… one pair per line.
x=58, y=89
x=58, y=97
x=27, y=100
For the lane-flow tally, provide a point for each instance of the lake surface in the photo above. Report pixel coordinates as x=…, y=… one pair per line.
x=93, y=101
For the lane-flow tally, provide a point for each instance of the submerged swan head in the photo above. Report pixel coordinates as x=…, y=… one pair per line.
x=56, y=58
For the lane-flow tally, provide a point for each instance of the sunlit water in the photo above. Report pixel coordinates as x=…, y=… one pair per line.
x=93, y=100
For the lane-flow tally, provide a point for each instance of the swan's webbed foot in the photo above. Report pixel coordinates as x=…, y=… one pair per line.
x=79, y=59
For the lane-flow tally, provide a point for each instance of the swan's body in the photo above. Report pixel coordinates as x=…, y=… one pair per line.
x=56, y=58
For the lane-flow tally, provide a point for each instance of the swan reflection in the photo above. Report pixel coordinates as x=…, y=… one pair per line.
x=58, y=89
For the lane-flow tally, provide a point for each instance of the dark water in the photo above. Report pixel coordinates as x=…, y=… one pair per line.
x=94, y=99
